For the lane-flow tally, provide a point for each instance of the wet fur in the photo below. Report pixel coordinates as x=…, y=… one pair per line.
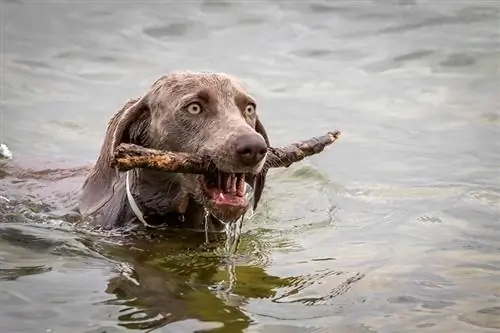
x=158, y=120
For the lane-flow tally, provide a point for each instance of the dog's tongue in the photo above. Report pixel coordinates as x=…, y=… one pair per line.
x=222, y=198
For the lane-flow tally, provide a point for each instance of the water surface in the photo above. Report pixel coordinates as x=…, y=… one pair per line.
x=392, y=229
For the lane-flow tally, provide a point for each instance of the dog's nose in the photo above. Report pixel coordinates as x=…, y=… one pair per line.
x=250, y=149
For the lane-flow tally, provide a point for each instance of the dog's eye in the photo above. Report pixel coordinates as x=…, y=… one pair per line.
x=250, y=109
x=194, y=108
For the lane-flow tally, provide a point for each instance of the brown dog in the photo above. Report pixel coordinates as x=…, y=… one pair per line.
x=205, y=113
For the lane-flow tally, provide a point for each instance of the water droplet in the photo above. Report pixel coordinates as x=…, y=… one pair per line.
x=207, y=213
x=233, y=233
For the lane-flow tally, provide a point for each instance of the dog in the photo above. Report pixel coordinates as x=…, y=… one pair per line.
x=204, y=113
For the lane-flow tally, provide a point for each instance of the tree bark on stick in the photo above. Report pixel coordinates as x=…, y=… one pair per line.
x=129, y=156
x=295, y=152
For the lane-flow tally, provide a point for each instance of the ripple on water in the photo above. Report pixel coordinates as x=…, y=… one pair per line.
x=176, y=30
x=312, y=289
x=34, y=64
x=488, y=198
x=312, y=53
x=11, y=274
x=327, y=8
x=488, y=118
x=426, y=304
x=193, y=325
x=305, y=196
x=401, y=192
x=458, y=60
x=487, y=317
x=86, y=56
x=216, y=5
x=415, y=55
x=397, y=62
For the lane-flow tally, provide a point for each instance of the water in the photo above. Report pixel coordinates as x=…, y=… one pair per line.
x=394, y=228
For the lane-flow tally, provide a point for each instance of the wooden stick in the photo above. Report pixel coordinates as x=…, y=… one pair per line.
x=287, y=155
x=129, y=156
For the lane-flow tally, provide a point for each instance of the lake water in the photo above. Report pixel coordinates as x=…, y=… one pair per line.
x=394, y=228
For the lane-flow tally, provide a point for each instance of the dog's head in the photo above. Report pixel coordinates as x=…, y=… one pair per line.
x=201, y=113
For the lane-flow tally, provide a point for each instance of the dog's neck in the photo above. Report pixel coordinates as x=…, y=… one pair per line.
x=133, y=204
x=160, y=211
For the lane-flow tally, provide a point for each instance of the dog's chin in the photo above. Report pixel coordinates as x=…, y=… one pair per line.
x=223, y=195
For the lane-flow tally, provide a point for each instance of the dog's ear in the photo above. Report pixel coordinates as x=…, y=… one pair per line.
x=260, y=179
x=98, y=188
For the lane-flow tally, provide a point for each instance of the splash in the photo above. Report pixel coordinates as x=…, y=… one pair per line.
x=5, y=153
x=232, y=231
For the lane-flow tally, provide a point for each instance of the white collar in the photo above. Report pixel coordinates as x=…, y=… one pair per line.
x=132, y=202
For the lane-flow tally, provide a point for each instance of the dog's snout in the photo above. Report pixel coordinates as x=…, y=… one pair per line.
x=250, y=149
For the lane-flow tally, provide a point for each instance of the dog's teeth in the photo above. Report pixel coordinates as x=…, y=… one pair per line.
x=228, y=183
x=233, y=183
x=241, y=185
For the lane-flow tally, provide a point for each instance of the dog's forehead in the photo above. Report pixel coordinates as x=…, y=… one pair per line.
x=220, y=85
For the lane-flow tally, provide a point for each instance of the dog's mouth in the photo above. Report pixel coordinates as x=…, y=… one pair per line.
x=225, y=193
x=225, y=188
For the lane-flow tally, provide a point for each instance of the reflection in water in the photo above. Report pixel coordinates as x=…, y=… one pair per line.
x=160, y=282
x=159, y=287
